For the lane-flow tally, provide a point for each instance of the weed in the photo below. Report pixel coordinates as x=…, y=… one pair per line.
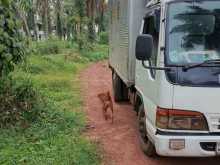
x=53, y=135
x=100, y=53
x=19, y=101
x=104, y=38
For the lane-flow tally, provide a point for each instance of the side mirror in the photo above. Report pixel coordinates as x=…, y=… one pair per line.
x=144, y=47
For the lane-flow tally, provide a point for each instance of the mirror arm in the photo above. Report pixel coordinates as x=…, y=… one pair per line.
x=155, y=68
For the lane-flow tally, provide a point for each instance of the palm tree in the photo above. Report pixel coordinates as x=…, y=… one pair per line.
x=43, y=9
x=101, y=9
x=58, y=13
x=91, y=9
x=22, y=7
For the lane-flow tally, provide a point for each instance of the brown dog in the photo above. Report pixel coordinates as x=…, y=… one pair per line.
x=107, y=104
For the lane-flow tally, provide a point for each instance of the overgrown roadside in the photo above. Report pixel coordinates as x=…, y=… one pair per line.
x=119, y=140
x=54, y=136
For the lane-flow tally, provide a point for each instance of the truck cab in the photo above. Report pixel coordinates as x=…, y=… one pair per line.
x=175, y=87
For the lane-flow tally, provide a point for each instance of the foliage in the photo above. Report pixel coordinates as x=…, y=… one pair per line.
x=53, y=137
x=51, y=46
x=73, y=19
x=25, y=5
x=52, y=140
x=101, y=53
x=4, y=2
x=11, y=45
x=82, y=17
x=19, y=101
x=103, y=38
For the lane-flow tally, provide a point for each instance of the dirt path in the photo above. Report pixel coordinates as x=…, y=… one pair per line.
x=120, y=141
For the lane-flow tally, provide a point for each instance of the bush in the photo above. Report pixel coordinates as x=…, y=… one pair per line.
x=47, y=47
x=53, y=136
x=100, y=53
x=83, y=43
x=51, y=46
x=104, y=38
x=19, y=101
x=11, y=41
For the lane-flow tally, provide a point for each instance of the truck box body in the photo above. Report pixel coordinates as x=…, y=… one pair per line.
x=125, y=23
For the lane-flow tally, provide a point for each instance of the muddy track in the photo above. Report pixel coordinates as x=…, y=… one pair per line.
x=119, y=140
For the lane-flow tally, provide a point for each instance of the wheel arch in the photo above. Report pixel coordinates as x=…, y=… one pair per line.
x=138, y=101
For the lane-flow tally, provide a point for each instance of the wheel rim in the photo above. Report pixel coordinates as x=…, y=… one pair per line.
x=142, y=126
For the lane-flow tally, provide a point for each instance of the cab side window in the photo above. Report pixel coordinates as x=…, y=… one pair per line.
x=151, y=27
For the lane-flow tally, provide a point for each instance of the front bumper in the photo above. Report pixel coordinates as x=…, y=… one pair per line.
x=195, y=146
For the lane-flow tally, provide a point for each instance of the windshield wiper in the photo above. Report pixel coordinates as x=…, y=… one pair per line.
x=187, y=67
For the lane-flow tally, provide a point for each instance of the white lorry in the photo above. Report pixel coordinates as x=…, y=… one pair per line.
x=165, y=58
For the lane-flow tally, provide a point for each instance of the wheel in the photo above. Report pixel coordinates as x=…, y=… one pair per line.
x=125, y=92
x=119, y=88
x=146, y=145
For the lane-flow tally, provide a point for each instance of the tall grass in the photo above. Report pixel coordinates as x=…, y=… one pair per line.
x=54, y=137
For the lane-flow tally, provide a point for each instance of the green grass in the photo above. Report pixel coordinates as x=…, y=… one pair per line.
x=100, y=53
x=55, y=138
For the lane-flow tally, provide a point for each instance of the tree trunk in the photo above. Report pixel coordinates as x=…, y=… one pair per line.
x=24, y=22
x=101, y=19
x=49, y=21
x=101, y=23
x=45, y=18
x=32, y=23
x=68, y=31
x=91, y=15
x=35, y=28
x=59, y=27
x=25, y=26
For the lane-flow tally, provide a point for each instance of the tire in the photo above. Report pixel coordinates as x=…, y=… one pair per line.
x=146, y=145
x=119, y=88
x=125, y=92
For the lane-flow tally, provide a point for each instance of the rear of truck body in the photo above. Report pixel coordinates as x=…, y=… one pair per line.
x=126, y=19
x=182, y=116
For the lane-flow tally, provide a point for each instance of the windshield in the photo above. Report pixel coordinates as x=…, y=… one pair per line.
x=193, y=32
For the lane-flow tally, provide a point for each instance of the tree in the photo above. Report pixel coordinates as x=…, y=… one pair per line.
x=27, y=10
x=58, y=12
x=11, y=42
x=80, y=21
x=44, y=11
x=31, y=18
x=76, y=19
x=101, y=16
x=90, y=9
x=21, y=8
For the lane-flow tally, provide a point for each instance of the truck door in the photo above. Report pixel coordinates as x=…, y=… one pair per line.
x=146, y=80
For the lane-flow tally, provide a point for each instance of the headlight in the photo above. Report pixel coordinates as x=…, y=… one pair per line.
x=180, y=120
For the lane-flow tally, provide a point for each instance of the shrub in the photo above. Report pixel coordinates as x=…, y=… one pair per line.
x=47, y=47
x=103, y=38
x=19, y=101
x=101, y=53
x=83, y=43
x=11, y=41
x=51, y=46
